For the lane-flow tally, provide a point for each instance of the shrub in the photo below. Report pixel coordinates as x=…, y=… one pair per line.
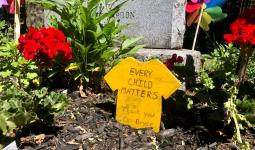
x=14, y=69
x=19, y=108
x=217, y=88
x=19, y=104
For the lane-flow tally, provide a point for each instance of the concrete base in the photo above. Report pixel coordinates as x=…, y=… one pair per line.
x=186, y=72
x=191, y=58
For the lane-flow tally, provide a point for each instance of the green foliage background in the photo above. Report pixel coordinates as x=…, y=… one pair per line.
x=22, y=100
x=94, y=34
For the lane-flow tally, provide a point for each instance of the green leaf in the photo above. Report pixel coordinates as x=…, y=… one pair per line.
x=21, y=118
x=3, y=125
x=25, y=82
x=32, y=66
x=77, y=75
x=52, y=73
x=86, y=79
x=110, y=13
x=107, y=55
x=92, y=4
x=129, y=42
x=73, y=66
x=5, y=74
x=135, y=49
x=36, y=82
x=4, y=54
x=32, y=75
x=109, y=28
x=41, y=93
x=190, y=103
x=11, y=126
x=82, y=48
x=15, y=64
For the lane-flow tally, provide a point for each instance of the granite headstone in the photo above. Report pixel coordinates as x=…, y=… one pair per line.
x=160, y=22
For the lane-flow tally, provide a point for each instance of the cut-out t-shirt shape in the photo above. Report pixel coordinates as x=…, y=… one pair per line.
x=141, y=86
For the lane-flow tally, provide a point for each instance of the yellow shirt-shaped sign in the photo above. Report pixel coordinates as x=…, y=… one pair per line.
x=141, y=86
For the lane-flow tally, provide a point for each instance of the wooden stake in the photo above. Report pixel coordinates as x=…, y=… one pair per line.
x=17, y=20
x=198, y=24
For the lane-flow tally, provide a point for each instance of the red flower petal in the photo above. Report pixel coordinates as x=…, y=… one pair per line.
x=236, y=26
x=230, y=38
x=44, y=45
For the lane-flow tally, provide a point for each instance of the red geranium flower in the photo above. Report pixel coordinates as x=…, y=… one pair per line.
x=44, y=45
x=237, y=26
x=242, y=33
x=230, y=38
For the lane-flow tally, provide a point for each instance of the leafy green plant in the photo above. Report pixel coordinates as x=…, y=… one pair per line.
x=239, y=29
x=218, y=83
x=246, y=106
x=234, y=115
x=221, y=63
x=19, y=108
x=19, y=105
x=207, y=81
x=94, y=34
x=14, y=69
x=5, y=32
x=218, y=68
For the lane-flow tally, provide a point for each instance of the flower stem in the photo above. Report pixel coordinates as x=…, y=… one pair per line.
x=245, y=55
x=238, y=134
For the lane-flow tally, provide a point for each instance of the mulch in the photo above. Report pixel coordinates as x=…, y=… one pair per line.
x=89, y=124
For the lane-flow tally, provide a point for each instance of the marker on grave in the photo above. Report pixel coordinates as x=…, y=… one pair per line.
x=11, y=146
x=141, y=86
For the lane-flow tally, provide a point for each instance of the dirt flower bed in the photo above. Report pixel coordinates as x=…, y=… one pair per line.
x=89, y=124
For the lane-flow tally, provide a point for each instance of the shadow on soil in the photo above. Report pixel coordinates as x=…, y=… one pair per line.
x=205, y=122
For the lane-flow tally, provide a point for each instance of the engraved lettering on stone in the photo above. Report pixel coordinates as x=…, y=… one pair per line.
x=125, y=15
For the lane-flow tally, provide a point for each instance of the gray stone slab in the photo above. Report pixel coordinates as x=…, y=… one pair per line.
x=192, y=59
x=186, y=72
x=160, y=22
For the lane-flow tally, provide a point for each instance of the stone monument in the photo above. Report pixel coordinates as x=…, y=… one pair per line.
x=160, y=22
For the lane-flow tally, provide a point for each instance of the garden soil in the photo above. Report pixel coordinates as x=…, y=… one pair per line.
x=89, y=124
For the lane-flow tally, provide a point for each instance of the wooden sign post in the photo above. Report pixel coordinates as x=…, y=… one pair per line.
x=141, y=86
x=17, y=20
